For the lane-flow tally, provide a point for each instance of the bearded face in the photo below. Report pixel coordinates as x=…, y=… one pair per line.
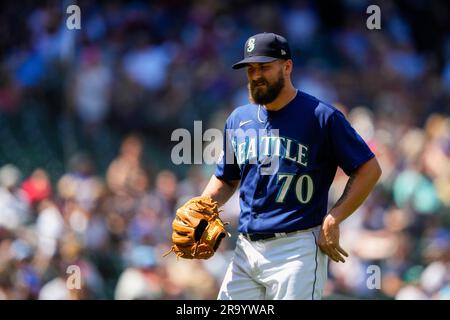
x=264, y=90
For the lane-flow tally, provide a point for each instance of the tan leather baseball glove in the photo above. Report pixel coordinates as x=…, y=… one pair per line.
x=197, y=230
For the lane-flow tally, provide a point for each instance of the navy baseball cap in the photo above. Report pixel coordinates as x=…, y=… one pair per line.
x=263, y=48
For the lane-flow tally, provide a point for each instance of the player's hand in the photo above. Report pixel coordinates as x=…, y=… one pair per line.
x=329, y=240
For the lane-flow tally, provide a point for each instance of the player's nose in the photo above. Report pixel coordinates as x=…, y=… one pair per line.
x=254, y=73
x=256, y=77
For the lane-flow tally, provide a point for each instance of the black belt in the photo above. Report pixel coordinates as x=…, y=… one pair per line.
x=265, y=236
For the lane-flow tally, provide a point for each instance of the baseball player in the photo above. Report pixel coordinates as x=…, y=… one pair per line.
x=283, y=149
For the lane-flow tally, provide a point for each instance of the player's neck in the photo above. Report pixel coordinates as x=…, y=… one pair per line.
x=286, y=95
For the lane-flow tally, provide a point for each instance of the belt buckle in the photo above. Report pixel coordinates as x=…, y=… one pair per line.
x=280, y=234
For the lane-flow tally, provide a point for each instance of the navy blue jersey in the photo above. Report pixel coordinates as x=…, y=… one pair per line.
x=286, y=161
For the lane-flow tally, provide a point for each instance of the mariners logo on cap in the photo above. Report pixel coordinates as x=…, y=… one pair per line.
x=251, y=44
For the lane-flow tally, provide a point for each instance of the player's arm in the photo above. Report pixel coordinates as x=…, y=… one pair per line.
x=358, y=187
x=220, y=190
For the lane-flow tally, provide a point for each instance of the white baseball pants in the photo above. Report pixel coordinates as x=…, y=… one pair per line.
x=289, y=267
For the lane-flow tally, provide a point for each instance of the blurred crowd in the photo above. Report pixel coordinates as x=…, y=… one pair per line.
x=86, y=118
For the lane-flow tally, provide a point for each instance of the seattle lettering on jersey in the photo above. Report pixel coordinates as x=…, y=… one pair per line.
x=250, y=147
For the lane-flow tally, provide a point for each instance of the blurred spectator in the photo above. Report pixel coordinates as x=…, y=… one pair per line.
x=126, y=174
x=37, y=187
x=14, y=209
x=49, y=228
x=81, y=184
x=146, y=64
x=165, y=193
x=140, y=280
x=92, y=88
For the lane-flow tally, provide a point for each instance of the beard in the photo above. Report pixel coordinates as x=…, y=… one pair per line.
x=267, y=93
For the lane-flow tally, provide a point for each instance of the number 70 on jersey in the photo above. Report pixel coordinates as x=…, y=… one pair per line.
x=303, y=187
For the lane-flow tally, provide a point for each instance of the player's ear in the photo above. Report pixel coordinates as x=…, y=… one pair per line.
x=287, y=66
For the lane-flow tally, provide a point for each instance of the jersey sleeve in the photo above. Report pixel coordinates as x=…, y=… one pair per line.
x=227, y=167
x=347, y=147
